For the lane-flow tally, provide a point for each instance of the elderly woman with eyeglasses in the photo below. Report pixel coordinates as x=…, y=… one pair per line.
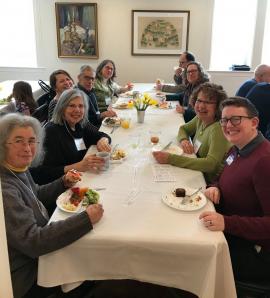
x=68, y=137
x=209, y=143
x=192, y=77
x=105, y=86
x=28, y=233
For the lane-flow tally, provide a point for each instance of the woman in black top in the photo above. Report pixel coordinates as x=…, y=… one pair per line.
x=68, y=137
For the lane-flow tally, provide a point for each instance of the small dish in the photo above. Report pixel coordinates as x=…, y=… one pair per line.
x=193, y=203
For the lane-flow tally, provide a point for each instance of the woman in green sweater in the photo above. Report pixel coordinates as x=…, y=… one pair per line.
x=208, y=142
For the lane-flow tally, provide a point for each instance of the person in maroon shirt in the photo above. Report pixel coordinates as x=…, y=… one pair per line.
x=242, y=193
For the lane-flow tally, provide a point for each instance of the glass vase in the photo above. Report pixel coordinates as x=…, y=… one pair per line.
x=140, y=116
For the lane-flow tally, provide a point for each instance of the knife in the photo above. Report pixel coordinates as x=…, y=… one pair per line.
x=167, y=146
x=114, y=148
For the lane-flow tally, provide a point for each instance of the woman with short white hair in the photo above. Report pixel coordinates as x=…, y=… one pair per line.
x=28, y=233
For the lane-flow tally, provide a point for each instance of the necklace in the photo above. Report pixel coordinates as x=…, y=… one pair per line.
x=202, y=130
x=41, y=208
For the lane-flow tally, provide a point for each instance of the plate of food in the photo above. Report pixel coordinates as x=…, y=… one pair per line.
x=127, y=94
x=76, y=199
x=111, y=121
x=174, y=149
x=118, y=156
x=121, y=106
x=182, y=199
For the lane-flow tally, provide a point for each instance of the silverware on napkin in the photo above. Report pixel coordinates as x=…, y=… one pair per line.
x=187, y=197
x=167, y=146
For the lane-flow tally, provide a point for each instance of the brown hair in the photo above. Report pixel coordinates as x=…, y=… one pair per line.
x=212, y=92
x=241, y=102
x=22, y=92
x=54, y=74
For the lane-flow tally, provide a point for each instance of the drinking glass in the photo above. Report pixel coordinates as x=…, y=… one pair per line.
x=154, y=136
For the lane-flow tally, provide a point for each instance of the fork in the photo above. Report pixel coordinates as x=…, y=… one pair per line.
x=113, y=129
x=186, y=198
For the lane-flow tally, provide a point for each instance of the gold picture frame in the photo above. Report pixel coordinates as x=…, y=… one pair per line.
x=77, y=30
x=160, y=32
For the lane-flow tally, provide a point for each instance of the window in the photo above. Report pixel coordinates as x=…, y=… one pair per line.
x=233, y=33
x=18, y=44
x=266, y=39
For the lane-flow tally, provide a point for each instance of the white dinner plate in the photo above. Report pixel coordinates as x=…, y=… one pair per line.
x=174, y=149
x=111, y=124
x=193, y=203
x=63, y=200
x=120, y=107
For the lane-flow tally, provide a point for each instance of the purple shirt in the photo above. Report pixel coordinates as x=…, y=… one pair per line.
x=245, y=194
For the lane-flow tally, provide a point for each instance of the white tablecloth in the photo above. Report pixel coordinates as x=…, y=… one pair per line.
x=140, y=237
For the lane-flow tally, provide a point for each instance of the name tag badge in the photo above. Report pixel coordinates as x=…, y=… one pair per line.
x=108, y=100
x=197, y=144
x=80, y=144
x=230, y=159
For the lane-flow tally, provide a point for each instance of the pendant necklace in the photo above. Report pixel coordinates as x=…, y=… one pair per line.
x=41, y=208
x=202, y=130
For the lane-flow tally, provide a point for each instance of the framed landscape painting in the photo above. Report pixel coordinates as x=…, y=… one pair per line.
x=76, y=26
x=159, y=32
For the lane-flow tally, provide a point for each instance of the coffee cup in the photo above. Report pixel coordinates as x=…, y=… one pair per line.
x=106, y=157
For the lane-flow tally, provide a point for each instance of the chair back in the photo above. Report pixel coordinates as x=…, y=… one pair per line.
x=41, y=113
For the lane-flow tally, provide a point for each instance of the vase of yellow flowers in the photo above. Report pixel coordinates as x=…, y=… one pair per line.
x=141, y=104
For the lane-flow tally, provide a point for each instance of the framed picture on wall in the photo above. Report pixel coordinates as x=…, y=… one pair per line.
x=77, y=32
x=159, y=32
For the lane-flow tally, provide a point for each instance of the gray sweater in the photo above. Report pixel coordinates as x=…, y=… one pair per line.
x=28, y=234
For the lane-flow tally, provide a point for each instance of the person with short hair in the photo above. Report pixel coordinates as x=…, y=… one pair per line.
x=105, y=86
x=86, y=79
x=178, y=77
x=208, y=144
x=60, y=80
x=261, y=74
x=241, y=193
x=29, y=235
x=68, y=137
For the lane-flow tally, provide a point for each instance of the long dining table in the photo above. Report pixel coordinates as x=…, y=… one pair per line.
x=140, y=237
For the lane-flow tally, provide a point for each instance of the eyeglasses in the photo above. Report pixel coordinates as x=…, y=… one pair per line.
x=235, y=120
x=89, y=78
x=23, y=142
x=206, y=102
x=182, y=62
x=109, y=68
x=74, y=107
x=192, y=71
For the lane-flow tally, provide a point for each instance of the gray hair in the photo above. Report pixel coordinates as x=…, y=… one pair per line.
x=85, y=67
x=11, y=121
x=64, y=100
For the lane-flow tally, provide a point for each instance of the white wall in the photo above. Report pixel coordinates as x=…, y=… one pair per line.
x=114, y=34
